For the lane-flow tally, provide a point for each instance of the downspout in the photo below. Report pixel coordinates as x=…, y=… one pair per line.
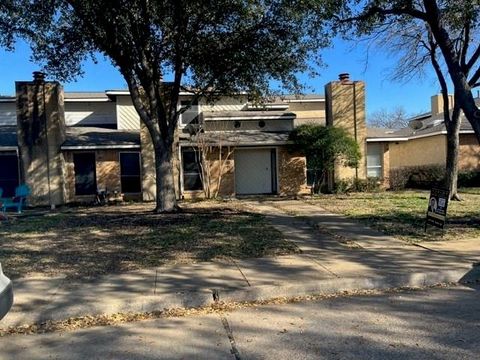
x=355, y=122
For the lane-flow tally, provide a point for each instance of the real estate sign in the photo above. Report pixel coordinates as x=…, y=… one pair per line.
x=437, y=208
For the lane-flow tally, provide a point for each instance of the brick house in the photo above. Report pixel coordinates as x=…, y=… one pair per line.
x=66, y=146
x=421, y=145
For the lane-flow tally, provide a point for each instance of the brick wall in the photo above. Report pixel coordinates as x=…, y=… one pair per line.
x=292, y=176
x=107, y=174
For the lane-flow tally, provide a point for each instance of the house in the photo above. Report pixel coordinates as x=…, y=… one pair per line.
x=66, y=146
x=422, y=145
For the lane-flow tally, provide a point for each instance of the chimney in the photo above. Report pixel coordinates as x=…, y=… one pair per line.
x=40, y=134
x=344, y=77
x=345, y=108
x=437, y=103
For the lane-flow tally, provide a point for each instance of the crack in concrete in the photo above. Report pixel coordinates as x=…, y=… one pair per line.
x=233, y=344
x=241, y=272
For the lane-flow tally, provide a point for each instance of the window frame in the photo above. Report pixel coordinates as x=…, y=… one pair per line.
x=95, y=185
x=17, y=178
x=376, y=167
x=184, y=149
x=120, y=153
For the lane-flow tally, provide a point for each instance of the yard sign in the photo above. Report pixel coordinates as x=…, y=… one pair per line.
x=437, y=208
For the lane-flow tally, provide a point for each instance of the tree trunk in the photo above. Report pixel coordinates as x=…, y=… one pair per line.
x=166, y=199
x=453, y=146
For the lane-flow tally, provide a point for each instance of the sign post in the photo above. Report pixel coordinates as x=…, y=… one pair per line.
x=437, y=208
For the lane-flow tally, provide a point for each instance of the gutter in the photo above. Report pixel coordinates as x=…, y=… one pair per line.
x=392, y=139
x=98, y=147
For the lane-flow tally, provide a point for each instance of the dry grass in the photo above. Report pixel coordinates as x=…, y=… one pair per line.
x=402, y=214
x=89, y=242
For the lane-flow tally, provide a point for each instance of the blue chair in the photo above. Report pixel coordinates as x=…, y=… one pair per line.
x=18, y=201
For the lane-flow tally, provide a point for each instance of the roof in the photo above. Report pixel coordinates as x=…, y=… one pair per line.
x=430, y=126
x=241, y=138
x=8, y=137
x=79, y=138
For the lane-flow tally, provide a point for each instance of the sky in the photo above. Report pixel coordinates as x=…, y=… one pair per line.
x=344, y=56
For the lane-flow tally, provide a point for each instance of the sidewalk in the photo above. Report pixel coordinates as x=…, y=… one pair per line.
x=337, y=255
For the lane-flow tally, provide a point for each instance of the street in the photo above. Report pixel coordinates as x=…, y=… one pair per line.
x=436, y=323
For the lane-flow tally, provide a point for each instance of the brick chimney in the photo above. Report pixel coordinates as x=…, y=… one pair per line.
x=40, y=133
x=437, y=103
x=345, y=108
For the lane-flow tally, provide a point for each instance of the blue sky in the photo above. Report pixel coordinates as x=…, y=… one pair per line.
x=350, y=57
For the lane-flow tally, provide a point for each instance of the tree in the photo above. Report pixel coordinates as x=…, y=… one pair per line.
x=394, y=119
x=325, y=146
x=209, y=47
x=214, y=150
x=442, y=33
x=453, y=25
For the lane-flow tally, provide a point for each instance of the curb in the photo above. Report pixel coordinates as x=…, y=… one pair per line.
x=208, y=297
x=332, y=286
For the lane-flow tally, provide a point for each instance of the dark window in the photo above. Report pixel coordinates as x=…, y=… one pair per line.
x=85, y=179
x=191, y=170
x=130, y=172
x=8, y=174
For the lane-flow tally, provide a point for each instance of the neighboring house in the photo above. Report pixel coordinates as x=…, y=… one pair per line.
x=422, y=144
x=68, y=146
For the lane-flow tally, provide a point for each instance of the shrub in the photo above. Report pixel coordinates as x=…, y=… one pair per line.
x=357, y=185
x=418, y=177
x=469, y=179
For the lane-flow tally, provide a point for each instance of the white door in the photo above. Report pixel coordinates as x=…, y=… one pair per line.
x=253, y=171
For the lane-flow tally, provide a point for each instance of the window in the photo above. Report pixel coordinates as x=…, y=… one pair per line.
x=374, y=160
x=130, y=172
x=190, y=116
x=85, y=177
x=191, y=170
x=8, y=173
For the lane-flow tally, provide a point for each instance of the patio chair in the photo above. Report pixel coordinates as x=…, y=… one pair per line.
x=18, y=201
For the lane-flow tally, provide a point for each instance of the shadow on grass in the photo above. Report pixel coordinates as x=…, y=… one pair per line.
x=98, y=241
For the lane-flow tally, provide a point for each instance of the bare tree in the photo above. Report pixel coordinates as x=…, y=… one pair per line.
x=384, y=118
x=214, y=151
x=453, y=25
x=419, y=32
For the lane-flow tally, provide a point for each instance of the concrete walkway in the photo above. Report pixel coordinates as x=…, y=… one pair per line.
x=336, y=255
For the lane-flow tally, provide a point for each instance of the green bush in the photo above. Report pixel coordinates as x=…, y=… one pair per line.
x=417, y=177
x=357, y=185
x=469, y=179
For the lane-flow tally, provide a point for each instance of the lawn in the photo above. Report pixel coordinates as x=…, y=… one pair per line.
x=88, y=242
x=402, y=214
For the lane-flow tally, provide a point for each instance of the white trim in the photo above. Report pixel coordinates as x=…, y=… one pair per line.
x=386, y=139
x=9, y=148
x=98, y=147
x=66, y=99
x=304, y=100
x=406, y=138
x=7, y=100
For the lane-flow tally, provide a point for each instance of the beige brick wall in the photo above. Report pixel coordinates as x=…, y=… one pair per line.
x=292, y=176
x=345, y=103
x=386, y=165
x=469, y=155
x=418, y=152
x=227, y=182
x=107, y=174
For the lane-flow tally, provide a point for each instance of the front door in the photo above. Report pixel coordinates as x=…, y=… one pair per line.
x=255, y=171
